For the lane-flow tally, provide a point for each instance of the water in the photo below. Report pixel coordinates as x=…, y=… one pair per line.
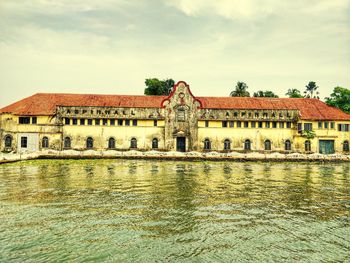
x=153, y=211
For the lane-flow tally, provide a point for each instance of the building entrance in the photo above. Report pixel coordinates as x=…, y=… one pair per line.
x=326, y=146
x=181, y=144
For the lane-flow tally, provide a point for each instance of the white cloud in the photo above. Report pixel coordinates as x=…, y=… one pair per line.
x=253, y=9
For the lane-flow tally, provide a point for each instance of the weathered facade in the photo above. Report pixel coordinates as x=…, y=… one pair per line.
x=178, y=122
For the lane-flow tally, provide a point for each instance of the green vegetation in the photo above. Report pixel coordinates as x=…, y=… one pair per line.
x=155, y=86
x=308, y=134
x=340, y=98
x=267, y=94
x=294, y=93
x=311, y=90
x=240, y=90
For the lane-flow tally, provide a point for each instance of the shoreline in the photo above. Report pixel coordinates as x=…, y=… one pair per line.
x=175, y=156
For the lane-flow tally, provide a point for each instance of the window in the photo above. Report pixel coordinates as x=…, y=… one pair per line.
x=232, y=124
x=112, y=122
x=307, y=146
x=346, y=146
x=308, y=126
x=120, y=122
x=326, y=125
x=281, y=125
x=260, y=124
x=24, y=142
x=267, y=145
x=8, y=141
x=332, y=125
x=247, y=145
x=227, y=144
x=267, y=124
x=320, y=124
x=235, y=114
x=89, y=121
x=89, y=143
x=224, y=124
x=133, y=143
x=207, y=124
x=289, y=125
x=45, y=142
x=155, y=143
x=344, y=127
x=180, y=114
x=67, y=142
x=75, y=121
x=67, y=121
x=287, y=145
x=246, y=124
x=253, y=124
x=24, y=120
x=76, y=111
x=105, y=122
x=155, y=123
x=111, y=143
x=207, y=145
x=134, y=122
x=82, y=121
x=300, y=127
x=274, y=124
x=256, y=114
x=34, y=120
x=239, y=124
x=127, y=122
x=97, y=121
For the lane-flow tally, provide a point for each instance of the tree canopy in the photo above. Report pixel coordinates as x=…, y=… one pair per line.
x=340, y=98
x=155, y=86
x=240, y=90
x=294, y=93
x=311, y=90
x=266, y=94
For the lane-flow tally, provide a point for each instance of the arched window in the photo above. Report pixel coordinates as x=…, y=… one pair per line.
x=267, y=145
x=207, y=145
x=8, y=141
x=67, y=142
x=111, y=143
x=155, y=143
x=247, y=145
x=45, y=142
x=346, y=146
x=133, y=143
x=89, y=143
x=287, y=145
x=227, y=144
x=307, y=146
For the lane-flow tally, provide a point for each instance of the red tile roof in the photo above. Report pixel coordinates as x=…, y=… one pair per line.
x=46, y=103
x=310, y=109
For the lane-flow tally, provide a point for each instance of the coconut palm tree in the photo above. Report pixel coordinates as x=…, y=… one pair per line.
x=311, y=89
x=240, y=90
x=294, y=93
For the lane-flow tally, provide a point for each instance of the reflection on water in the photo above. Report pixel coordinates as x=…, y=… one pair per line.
x=149, y=211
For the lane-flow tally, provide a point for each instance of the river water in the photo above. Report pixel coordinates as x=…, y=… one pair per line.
x=162, y=211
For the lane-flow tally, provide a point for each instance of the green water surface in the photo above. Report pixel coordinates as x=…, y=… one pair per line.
x=162, y=211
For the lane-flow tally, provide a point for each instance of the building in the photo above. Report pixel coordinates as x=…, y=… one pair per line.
x=178, y=122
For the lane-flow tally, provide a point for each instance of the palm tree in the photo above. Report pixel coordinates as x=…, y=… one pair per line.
x=311, y=88
x=266, y=94
x=240, y=90
x=294, y=93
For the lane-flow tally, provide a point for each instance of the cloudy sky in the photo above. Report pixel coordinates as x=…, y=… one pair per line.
x=111, y=46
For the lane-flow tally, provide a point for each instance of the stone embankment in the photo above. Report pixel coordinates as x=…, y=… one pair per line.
x=213, y=156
